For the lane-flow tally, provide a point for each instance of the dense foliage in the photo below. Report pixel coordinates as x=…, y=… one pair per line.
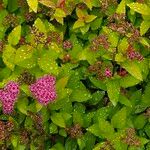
x=74, y=74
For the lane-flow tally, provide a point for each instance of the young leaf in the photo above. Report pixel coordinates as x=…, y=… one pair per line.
x=140, y=8
x=121, y=9
x=79, y=23
x=40, y=25
x=33, y=4
x=14, y=36
x=90, y=18
x=48, y=3
x=113, y=90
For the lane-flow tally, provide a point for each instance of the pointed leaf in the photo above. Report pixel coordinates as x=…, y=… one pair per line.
x=79, y=23
x=14, y=36
x=33, y=4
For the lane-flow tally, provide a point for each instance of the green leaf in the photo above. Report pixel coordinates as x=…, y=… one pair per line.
x=48, y=65
x=95, y=24
x=140, y=8
x=59, y=13
x=48, y=3
x=14, y=36
x=22, y=105
x=12, y=5
x=9, y=56
x=88, y=3
x=23, y=53
x=58, y=119
x=133, y=68
x=128, y=81
x=90, y=18
x=80, y=95
x=33, y=4
x=139, y=121
x=121, y=9
x=14, y=140
x=40, y=25
x=119, y=119
x=79, y=23
x=145, y=25
x=113, y=90
x=94, y=129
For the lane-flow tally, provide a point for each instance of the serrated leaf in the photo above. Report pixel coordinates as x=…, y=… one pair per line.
x=121, y=7
x=119, y=119
x=133, y=68
x=79, y=23
x=14, y=36
x=145, y=25
x=113, y=90
x=140, y=8
x=33, y=4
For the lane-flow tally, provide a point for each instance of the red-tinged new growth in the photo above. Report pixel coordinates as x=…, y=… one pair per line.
x=44, y=89
x=8, y=96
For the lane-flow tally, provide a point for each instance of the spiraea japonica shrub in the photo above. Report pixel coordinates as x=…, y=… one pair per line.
x=75, y=74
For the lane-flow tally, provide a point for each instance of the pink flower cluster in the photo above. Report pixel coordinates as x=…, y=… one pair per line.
x=44, y=89
x=108, y=73
x=8, y=96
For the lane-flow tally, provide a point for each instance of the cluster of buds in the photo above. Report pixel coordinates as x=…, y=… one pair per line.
x=117, y=17
x=1, y=46
x=56, y=37
x=122, y=72
x=107, y=145
x=24, y=137
x=22, y=4
x=39, y=37
x=67, y=45
x=135, y=35
x=46, y=11
x=44, y=89
x=140, y=1
x=10, y=20
x=29, y=16
x=5, y=130
x=133, y=55
x=101, y=70
x=106, y=3
x=26, y=78
x=66, y=58
x=38, y=122
x=75, y=131
x=8, y=96
x=131, y=138
x=81, y=6
x=101, y=40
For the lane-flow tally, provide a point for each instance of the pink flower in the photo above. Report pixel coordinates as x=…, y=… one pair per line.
x=44, y=89
x=108, y=73
x=8, y=96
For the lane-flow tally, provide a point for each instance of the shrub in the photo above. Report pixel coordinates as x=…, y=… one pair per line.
x=74, y=74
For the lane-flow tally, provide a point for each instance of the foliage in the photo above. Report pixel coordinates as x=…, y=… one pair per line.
x=83, y=72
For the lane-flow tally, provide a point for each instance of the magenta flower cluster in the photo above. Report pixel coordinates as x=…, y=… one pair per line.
x=44, y=89
x=108, y=73
x=8, y=96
